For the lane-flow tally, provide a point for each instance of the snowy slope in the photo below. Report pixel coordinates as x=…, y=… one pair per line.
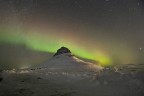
x=68, y=62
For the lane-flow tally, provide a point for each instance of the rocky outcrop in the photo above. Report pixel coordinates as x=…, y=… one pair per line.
x=62, y=50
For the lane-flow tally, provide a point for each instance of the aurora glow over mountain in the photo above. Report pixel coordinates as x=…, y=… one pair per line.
x=49, y=44
x=106, y=31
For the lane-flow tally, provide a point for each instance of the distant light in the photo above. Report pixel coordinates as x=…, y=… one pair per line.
x=24, y=67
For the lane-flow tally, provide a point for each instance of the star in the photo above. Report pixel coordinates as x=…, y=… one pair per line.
x=140, y=49
x=138, y=3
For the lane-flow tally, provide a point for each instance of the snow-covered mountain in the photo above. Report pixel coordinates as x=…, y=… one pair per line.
x=63, y=60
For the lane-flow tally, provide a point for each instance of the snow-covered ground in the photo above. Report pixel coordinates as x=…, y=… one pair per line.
x=68, y=76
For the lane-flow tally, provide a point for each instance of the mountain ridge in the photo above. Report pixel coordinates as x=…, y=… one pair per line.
x=65, y=60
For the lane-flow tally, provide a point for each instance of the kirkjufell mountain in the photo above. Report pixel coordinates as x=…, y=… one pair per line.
x=64, y=60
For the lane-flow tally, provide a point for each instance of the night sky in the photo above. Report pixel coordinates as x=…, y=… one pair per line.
x=107, y=31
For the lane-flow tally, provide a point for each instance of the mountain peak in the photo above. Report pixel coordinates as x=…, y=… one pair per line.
x=62, y=50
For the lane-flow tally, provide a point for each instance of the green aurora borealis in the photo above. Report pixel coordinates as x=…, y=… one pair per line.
x=50, y=43
x=40, y=43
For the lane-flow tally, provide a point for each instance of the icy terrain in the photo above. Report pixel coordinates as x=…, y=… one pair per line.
x=66, y=75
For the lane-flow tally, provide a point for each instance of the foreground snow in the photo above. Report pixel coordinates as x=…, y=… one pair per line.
x=45, y=82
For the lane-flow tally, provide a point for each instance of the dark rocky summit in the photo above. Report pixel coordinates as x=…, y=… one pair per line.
x=62, y=50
